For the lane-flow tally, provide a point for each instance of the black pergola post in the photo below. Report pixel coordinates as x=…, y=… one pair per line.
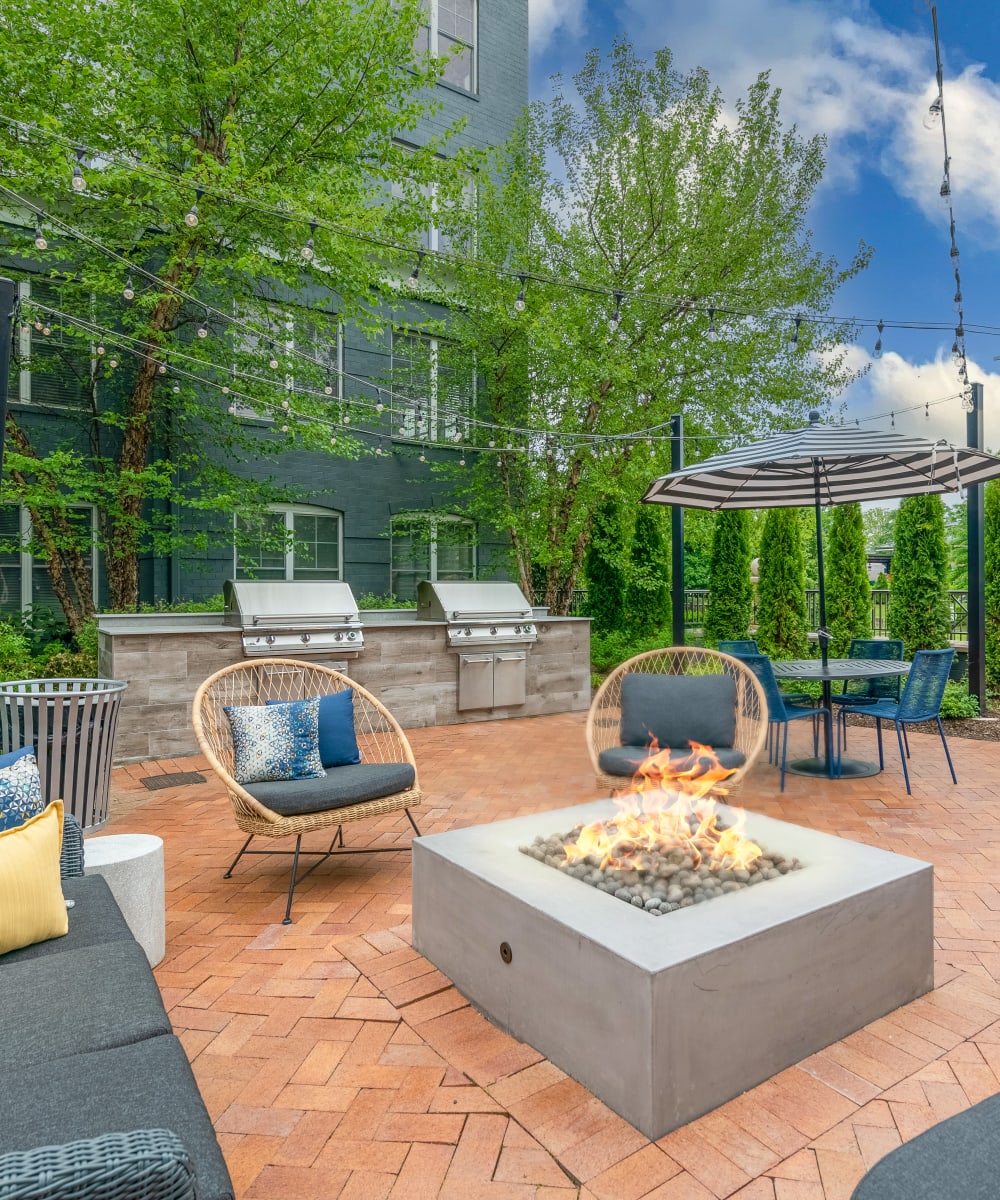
x=8, y=304
x=977, y=558
x=677, y=535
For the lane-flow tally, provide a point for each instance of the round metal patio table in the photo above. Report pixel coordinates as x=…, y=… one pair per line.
x=839, y=669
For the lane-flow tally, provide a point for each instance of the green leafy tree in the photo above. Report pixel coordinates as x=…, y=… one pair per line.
x=918, y=605
x=605, y=573
x=956, y=534
x=781, y=609
x=991, y=537
x=881, y=580
x=848, y=592
x=204, y=125
x=642, y=184
x=730, y=596
x=647, y=592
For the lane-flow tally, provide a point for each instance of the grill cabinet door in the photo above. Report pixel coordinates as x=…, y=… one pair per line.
x=475, y=681
x=509, y=667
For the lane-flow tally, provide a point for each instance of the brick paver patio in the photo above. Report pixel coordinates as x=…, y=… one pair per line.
x=336, y=1062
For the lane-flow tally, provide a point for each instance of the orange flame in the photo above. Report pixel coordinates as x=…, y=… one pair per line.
x=670, y=806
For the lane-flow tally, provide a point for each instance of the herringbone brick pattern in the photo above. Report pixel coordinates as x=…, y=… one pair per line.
x=336, y=1062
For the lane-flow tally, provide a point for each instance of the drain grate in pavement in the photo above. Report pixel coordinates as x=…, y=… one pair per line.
x=177, y=779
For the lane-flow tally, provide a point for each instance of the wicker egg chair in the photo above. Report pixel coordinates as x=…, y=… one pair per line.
x=380, y=737
x=604, y=721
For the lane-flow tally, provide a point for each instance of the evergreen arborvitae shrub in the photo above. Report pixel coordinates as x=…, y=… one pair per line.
x=848, y=592
x=781, y=587
x=918, y=605
x=991, y=536
x=602, y=566
x=730, y=594
x=647, y=592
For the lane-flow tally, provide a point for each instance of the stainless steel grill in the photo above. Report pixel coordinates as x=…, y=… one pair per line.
x=480, y=613
x=491, y=620
x=311, y=618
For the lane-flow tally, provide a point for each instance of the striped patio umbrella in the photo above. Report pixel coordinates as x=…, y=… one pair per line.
x=822, y=465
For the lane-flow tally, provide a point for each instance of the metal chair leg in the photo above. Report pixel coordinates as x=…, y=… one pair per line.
x=878, y=731
x=954, y=777
x=784, y=755
x=902, y=755
x=412, y=822
x=291, y=882
x=229, y=873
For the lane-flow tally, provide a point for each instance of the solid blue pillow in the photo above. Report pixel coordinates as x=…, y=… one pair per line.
x=338, y=744
x=7, y=759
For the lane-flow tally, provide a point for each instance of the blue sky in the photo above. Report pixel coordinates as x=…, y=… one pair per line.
x=861, y=72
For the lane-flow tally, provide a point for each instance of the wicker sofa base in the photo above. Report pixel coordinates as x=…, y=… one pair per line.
x=99, y=1097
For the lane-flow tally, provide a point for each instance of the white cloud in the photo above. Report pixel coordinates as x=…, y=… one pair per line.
x=545, y=17
x=924, y=397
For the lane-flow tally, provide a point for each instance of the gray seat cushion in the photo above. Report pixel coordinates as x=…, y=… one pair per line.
x=147, y=1085
x=959, y=1158
x=678, y=709
x=81, y=1000
x=339, y=787
x=95, y=918
x=626, y=760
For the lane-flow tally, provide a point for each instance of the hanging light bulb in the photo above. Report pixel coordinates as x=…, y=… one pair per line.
x=112, y=363
x=423, y=456
x=461, y=461
x=927, y=411
x=40, y=242
x=519, y=303
x=231, y=410
x=284, y=429
x=933, y=114
x=177, y=388
x=616, y=316
x=161, y=369
x=308, y=250
x=345, y=419
x=711, y=333
x=100, y=349
x=944, y=193
x=491, y=443
x=968, y=404
x=956, y=353
x=333, y=441
x=273, y=363
x=328, y=386
x=38, y=324
x=78, y=181
x=379, y=406
x=414, y=281
x=284, y=405
x=877, y=352
x=795, y=333
x=128, y=291
x=203, y=326
x=46, y=330
x=191, y=216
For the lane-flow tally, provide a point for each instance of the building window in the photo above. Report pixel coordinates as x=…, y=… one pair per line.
x=450, y=28
x=50, y=369
x=25, y=582
x=309, y=350
x=430, y=546
x=289, y=542
x=434, y=387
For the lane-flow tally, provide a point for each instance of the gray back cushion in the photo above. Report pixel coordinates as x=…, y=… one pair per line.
x=678, y=709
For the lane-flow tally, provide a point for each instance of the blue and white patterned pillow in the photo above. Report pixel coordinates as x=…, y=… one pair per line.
x=276, y=741
x=20, y=788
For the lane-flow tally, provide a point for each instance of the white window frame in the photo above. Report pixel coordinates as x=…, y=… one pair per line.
x=25, y=337
x=285, y=329
x=289, y=512
x=433, y=521
x=28, y=561
x=432, y=25
x=438, y=422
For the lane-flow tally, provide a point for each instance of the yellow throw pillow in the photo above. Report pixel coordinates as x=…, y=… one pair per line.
x=32, y=908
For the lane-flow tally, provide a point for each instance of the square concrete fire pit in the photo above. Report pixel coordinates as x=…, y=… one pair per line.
x=665, y=1018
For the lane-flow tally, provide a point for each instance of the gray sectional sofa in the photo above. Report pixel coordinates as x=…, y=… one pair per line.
x=98, y=1097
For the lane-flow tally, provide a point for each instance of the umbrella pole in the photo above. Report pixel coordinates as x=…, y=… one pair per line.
x=823, y=632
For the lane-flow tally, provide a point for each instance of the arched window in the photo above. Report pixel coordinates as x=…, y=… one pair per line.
x=430, y=546
x=290, y=541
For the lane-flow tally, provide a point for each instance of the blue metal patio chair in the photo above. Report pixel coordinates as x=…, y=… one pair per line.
x=738, y=647
x=879, y=687
x=780, y=712
x=920, y=701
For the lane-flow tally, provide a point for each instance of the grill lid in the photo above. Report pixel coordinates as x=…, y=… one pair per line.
x=471, y=601
x=289, y=604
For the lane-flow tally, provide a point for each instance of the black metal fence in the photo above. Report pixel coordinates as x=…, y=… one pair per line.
x=696, y=605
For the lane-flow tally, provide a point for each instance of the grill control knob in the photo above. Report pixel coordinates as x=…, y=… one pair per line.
x=338, y=637
x=529, y=629
x=304, y=637
x=270, y=639
x=493, y=630
x=517, y=628
x=468, y=631
x=351, y=636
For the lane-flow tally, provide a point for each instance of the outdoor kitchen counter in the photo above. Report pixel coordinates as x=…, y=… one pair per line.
x=406, y=662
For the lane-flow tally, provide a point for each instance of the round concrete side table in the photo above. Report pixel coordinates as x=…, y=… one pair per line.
x=132, y=864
